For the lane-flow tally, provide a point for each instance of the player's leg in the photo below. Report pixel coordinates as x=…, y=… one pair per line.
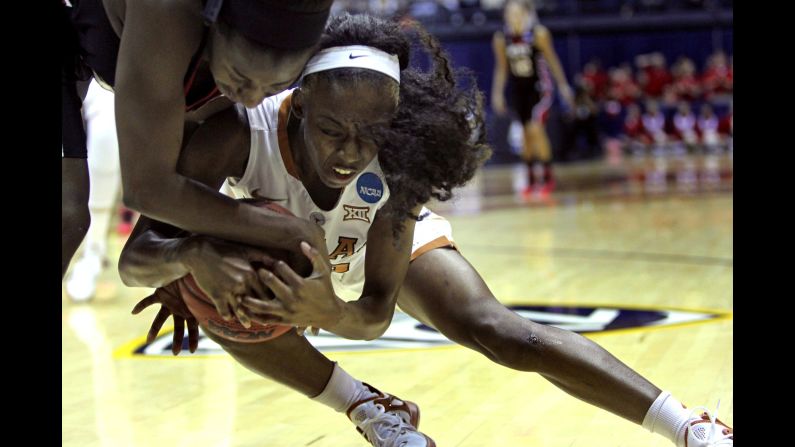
x=75, y=217
x=535, y=130
x=445, y=292
x=292, y=361
x=103, y=167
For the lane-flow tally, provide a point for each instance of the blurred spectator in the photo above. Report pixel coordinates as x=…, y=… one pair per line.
x=708, y=127
x=684, y=125
x=633, y=126
x=622, y=88
x=654, y=123
x=612, y=127
x=595, y=79
x=717, y=79
x=669, y=97
x=726, y=125
x=686, y=85
x=653, y=75
x=675, y=94
x=383, y=8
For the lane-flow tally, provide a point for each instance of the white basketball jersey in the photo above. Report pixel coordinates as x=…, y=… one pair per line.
x=271, y=174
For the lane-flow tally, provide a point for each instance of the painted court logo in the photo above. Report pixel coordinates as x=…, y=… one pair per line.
x=369, y=187
x=405, y=332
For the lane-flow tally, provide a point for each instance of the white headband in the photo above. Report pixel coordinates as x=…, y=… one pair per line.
x=356, y=56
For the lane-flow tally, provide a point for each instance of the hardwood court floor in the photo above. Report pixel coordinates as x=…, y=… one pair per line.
x=661, y=251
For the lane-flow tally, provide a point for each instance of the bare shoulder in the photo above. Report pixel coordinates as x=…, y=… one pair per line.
x=218, y=148
x=157, y=16
x=160, y=37
x=117, y=9
x=541, y=32
x=498, y=42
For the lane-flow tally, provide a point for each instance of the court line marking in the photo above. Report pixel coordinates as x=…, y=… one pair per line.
x=127, y=350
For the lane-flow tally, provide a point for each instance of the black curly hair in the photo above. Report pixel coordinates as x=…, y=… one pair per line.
x=436, y=140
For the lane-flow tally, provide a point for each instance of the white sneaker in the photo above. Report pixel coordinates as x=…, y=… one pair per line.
x=386, y=421
x=705, y=431
x=82, y=281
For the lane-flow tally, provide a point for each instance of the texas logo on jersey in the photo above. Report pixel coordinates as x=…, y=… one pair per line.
x=406, y=332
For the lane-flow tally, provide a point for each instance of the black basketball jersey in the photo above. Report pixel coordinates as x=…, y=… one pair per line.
x=522, y=53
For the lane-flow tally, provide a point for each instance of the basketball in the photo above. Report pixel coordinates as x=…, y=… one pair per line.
x=203, y=309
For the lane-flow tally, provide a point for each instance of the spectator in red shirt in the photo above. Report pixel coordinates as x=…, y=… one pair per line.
x=717, y=78
x=686, y=84
x=595, y=79
x=622, y=88
x=633, y=126
x=726, y=124
x=653, y=75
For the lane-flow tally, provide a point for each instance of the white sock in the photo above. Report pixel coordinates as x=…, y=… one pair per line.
x=667, y=417
x=342, y=391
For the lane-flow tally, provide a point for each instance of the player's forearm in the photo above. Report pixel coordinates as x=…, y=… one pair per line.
x=194, y=207
x=386, y=264
x=498, y=86
x=362, y=319
x=151, y=260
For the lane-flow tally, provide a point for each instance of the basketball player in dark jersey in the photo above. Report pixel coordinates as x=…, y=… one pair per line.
x=167, y=63
x=524, y=55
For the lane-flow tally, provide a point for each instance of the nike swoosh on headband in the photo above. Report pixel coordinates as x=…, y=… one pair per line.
x=351, y=56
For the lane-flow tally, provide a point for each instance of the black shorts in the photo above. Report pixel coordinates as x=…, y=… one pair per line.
x=99, y=44
x=527, y=99
x=91, y=46
x=73, y=70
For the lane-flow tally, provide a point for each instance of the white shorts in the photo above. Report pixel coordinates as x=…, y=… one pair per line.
x=431, y=231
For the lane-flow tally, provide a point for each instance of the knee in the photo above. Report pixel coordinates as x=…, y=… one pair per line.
x=509, y=340
x=75, y=217
x=534, y=133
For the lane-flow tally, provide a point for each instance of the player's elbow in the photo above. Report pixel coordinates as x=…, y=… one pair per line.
x=126, y=269
x=148, y=195
x=124, y=272
x=130, y=271
x=378, y=325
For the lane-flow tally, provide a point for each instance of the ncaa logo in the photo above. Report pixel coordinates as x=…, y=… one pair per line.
x=370, y=187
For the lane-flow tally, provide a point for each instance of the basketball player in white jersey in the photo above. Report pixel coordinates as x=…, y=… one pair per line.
x=313, y=151
x=310, y=151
